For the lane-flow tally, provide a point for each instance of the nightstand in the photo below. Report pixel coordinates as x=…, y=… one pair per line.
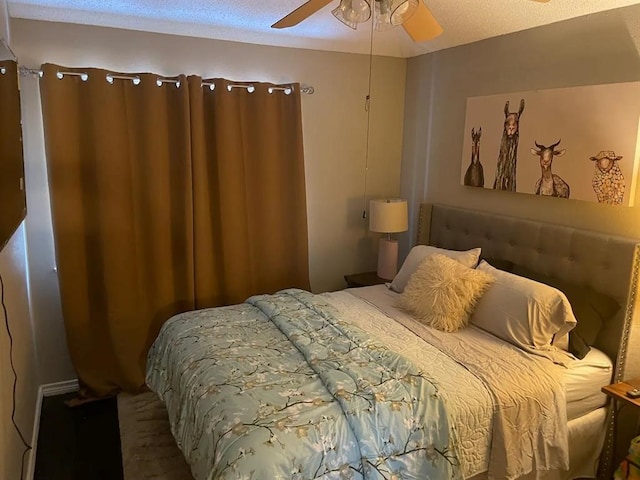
x=617, y=392
x=363, y=279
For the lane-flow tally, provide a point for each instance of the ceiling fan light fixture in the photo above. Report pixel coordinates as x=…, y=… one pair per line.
x=353, y=11
x=414, y=16
x=401, y=10
x=339, y=14
x=391, y=13
x=382, y=16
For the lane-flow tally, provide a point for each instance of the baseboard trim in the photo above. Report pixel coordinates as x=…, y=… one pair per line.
x=51, y=389
x=48, y=390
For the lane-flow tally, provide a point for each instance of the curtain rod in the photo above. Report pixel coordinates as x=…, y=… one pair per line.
x=110, y=77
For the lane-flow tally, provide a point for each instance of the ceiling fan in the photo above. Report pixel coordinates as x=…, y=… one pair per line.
x=413, y=15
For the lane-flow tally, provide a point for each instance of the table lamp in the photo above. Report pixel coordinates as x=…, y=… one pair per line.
x=388, y=216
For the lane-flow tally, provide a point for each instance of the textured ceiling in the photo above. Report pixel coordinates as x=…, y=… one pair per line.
x=249, y=21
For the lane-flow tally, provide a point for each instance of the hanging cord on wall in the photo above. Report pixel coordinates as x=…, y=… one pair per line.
x=27, y=447
x=367, y=107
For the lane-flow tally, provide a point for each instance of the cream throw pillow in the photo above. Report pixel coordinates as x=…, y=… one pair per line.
x=442, y=292
x=468, y=258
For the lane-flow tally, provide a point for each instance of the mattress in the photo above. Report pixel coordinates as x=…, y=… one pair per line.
x=583, y=380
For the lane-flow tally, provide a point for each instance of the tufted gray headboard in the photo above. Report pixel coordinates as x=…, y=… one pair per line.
x=606, y=263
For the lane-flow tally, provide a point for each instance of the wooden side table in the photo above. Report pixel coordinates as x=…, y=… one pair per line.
x=363, y=279
x=617, y=392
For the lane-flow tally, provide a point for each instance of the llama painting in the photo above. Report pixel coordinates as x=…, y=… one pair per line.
x=549, y=183
x=598, y=159
x=474, y=177
x=508, y=155
x=608, y=180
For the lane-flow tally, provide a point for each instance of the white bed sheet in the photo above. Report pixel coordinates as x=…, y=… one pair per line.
x=586, y=437
x=583, y=380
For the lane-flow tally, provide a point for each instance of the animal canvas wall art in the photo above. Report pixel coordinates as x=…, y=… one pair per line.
x=570, y=146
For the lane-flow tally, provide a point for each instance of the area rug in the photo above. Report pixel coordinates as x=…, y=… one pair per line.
x=149, y=451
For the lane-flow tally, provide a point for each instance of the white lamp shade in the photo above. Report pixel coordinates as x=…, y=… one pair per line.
x=388, y=216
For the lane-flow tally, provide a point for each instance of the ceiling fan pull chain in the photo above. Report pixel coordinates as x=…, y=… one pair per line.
x=367, y=108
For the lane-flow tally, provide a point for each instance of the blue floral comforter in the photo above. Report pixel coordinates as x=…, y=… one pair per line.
x=279, y=388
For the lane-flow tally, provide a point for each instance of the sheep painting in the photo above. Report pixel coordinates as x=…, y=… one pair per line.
x=474, y=177
x=508, y=156
x=608, y=181
x=549, y=183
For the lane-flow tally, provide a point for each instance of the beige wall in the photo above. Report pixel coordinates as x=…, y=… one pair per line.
x=4, y=22
x=334, y=127
x=13, y=268
x=601, y=48
x=54, y=363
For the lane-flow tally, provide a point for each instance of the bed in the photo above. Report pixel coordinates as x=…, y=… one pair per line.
x=348, y=385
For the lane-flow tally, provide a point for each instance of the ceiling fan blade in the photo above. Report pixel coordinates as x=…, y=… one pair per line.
x=422, y=25
x=301, y=13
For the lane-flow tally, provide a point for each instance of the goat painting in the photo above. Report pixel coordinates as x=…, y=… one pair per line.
x=508, y=156
x=608, y=181
x=474, y=177
x=549, y=183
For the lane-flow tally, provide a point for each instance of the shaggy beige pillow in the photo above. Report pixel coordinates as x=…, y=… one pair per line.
x=442, y=292
x=469, y=258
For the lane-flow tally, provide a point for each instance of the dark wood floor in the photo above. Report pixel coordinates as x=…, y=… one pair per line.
x=80, y=443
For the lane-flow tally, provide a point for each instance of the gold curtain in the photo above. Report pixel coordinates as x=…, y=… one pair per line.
x=12, y=199
x=166, y=199
x=121, y=198
x=249, y=191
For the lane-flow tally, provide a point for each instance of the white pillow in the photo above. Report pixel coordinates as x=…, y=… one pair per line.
x=442, y=292
x=419, y=252
x=523, y=312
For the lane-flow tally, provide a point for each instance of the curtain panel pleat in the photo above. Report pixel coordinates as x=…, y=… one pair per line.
x=165, y=199
x=249, y=191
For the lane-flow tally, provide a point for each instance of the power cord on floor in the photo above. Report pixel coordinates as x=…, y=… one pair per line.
x=27, y=447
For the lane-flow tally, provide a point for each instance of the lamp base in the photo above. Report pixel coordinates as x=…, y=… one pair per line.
x=387, y=258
